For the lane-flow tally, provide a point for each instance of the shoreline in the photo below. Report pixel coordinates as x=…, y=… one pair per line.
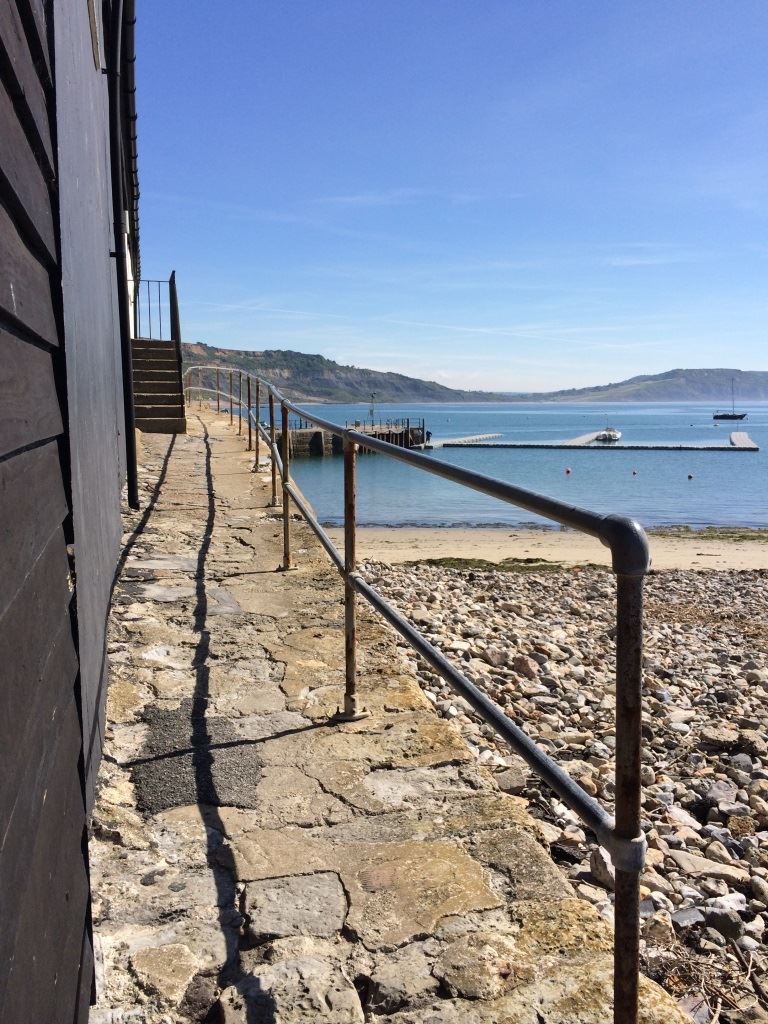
x=679, y=548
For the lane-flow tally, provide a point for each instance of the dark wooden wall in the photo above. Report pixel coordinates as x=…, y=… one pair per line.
x=60, y=431
x=91, y=330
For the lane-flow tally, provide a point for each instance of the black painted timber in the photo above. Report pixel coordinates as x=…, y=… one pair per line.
x=60, y=480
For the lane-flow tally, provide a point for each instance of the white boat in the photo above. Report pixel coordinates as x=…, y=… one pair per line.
x=609, y=436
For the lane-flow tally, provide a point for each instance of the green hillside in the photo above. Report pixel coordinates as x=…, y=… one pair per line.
x=709, y=385
x=304, y=377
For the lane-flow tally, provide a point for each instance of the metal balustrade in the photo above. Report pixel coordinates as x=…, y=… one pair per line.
x=621, y=835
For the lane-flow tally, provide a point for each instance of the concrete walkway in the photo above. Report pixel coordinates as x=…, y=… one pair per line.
x=253, y=862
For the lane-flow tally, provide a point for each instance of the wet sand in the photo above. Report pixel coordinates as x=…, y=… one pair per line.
x=684, y=551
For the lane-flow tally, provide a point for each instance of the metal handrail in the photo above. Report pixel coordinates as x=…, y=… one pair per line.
x=621, y=835
x=152, y=294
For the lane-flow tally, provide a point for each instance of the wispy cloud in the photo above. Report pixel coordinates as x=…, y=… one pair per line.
x=387, y=197
x=404, y=195
x=654, y=254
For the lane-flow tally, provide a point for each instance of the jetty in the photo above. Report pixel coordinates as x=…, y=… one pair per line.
x=308, y=440
x=456, y=442
x=739, y=441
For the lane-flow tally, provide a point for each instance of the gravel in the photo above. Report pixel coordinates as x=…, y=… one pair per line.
x=541, y=644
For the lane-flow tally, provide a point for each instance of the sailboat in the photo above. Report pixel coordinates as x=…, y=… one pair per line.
x=723, y=414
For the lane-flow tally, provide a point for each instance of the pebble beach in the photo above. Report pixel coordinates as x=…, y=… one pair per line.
x=539, y=641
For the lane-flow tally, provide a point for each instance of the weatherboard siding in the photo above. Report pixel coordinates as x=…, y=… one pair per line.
x=60, y=428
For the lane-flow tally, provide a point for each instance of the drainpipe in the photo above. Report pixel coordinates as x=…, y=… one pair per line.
x=118, y=218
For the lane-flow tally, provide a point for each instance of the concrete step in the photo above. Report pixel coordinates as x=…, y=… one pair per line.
x=143, y=375
x=152, y=343
x=158, y=412
x=158, y=398
x=157, y=361
x=173, y=408
x=164, y=386
x=151, y=354
x=162, y=424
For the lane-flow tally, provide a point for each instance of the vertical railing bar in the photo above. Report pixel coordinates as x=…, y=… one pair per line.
x=200, y=388
x=149, y=309
x=258, y=421
x=273, y=447
x=239, y=401
x=629, y=682
x=160, y=310
x=285, y=440
x=352, y=710
x=231, y=397
x=248, y=397
x=218, y=395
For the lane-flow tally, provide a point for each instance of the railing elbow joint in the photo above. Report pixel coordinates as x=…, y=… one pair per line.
x=630, y=554
x=626, y=854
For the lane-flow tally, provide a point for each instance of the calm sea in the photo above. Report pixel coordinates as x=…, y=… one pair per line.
x=726, y=489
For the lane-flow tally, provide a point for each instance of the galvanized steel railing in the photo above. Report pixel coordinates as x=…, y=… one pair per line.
x=621, y=835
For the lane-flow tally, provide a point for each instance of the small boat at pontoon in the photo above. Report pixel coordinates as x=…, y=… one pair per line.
x=608, y=436
x=723, y=414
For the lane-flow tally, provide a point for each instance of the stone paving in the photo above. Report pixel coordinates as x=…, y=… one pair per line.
x=253, y=860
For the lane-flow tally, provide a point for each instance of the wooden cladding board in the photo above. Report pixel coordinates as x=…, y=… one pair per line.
x=29, y=404
x=45, y=956
x=43, y=871
x=25, y=287
x=33, y=506
x=25, y=184
x=33, y=15
x=22, y=80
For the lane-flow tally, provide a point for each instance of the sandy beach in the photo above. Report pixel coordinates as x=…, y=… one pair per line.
x=724, y=550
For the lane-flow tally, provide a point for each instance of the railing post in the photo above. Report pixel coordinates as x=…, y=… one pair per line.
x=629, y=681
x=272, y=447
x=239, y=401
x=200, y=388
x=286, y=453
x=352, y=709
x=248, y=397
x=218, y=398
x=258, y=422
x=173, y=304
x=231, y=397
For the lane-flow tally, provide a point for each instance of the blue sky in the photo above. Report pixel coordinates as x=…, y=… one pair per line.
x=499, y=195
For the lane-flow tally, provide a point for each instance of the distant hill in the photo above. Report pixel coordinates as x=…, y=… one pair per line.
x=314, y=378
x=672, y=386
x=303, y=377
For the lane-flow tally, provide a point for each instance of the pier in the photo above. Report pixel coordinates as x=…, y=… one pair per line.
x=456, y=442
x=308, y=440
x=739, y=441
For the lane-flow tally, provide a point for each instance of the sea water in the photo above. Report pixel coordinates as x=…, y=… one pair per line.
x=695, y=488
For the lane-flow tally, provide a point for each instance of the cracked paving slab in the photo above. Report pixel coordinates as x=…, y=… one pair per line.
x=253, y=860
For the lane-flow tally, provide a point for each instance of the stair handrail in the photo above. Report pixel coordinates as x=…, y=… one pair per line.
x=173, y=299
